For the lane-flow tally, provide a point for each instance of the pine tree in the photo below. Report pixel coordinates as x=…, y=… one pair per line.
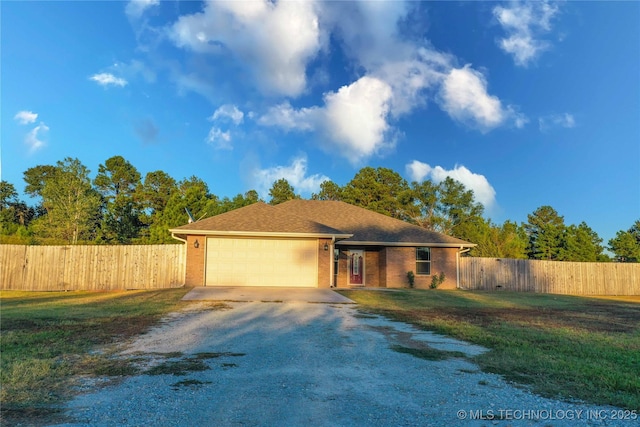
x=281, y=191
x=626, y=244
x=117, y=181
x=545, y=229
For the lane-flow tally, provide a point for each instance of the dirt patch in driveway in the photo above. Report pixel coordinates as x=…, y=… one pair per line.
x=315, y=364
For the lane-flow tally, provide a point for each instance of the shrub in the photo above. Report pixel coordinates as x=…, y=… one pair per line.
x=437, y=280
x=411, y=278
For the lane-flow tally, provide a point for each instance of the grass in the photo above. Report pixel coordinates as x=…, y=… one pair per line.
x=190, y=364
x=561, y=346
x=210, y=355
x=427, y=353
x=178, y=367
x=48, y=339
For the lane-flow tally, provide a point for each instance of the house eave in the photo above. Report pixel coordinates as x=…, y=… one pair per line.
x=183, y=232
x=408, y=244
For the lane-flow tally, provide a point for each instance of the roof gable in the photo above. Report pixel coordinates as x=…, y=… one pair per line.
x=257, y=218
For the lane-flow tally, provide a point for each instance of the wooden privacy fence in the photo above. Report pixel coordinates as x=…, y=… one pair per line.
x=553, y=277
x=53, y=268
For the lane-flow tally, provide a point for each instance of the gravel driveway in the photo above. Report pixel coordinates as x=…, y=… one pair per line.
x=302, y=364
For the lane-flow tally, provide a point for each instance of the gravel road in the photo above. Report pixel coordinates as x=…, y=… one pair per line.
x=302, y=364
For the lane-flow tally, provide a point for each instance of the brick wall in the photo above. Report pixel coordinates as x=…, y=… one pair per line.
x=372, y=268
x=325, y=261
x=382, y=262
x=194, y=274
x=400, y=260
x=444, y=260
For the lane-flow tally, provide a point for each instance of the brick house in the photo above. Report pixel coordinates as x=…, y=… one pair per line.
x=311, y=243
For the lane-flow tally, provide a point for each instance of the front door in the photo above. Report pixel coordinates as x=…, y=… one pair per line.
x=356, y=267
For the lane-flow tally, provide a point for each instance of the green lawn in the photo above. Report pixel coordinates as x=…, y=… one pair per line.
x=48, y=339
x=562, y=346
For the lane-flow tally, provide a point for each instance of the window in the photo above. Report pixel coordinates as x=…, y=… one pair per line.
x=423, y=261
x=336, y=260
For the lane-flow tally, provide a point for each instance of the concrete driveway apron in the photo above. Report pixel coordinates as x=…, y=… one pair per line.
x=265, y=294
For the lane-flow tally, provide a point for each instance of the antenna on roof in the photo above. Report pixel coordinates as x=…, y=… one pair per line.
x=190, y=216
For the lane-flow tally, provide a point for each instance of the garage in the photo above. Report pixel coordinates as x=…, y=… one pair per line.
x=252, y=261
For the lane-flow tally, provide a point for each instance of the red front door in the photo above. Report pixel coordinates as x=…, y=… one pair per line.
x=356, y=267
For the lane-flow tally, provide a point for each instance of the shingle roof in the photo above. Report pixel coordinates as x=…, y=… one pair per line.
x=365, y=225
x=349, y=224
x=257, y=218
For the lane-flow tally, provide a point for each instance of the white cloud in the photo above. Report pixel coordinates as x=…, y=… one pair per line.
x=286, y=117
x=230, y=112
x=273, y=43
x=132, y=70
x=276, y=40
x=295, y=174
x=120, y=73
x=464, y=97
x=369, y=30
x=483, y=192
x=353, y=119
x=108, y=79
x=219, y=139
x=371, y=37
x=412, y=77
x=418, y=170
x=519, y=119
x=356, y=121
x=33, y=140
x=564, y=120
x=193, y=82
x=135, y=8
x=25, y=117
x=524, y=23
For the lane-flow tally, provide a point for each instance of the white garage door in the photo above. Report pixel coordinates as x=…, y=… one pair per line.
x=261, y=262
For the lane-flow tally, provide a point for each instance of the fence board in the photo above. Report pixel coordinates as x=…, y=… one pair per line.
x=570, y=278
x=52, y=268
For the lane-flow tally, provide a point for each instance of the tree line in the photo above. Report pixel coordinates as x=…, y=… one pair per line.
x=119, y=206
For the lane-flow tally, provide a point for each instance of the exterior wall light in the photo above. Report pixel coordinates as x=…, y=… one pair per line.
x=326, y=246
x=196, y=244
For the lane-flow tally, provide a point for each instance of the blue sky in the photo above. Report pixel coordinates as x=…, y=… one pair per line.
x=528, y=104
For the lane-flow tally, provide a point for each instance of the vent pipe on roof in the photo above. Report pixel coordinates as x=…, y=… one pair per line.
x=189, y=215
